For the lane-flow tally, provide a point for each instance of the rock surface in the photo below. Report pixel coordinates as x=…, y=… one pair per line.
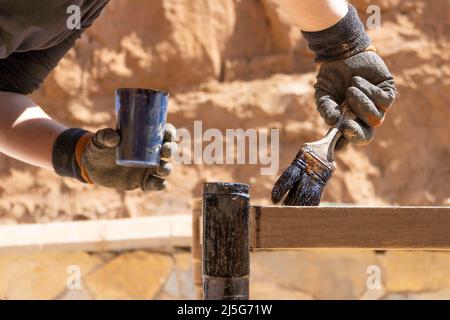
x=134, y=275
x=43, y=275
x=242, y=64
x=302, y=275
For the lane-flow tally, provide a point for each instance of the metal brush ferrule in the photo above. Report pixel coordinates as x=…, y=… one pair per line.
x=323, y=149
x=316, y=166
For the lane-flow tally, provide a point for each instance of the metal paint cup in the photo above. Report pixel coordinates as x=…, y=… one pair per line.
x=141, y=120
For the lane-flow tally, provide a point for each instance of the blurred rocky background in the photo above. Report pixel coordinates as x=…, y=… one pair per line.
x=242, y=64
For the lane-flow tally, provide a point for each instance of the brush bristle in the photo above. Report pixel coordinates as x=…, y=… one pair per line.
x=303, y=181
x=307, y=191
x=287, y=180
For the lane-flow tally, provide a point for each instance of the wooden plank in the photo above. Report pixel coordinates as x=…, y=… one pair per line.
x=380, y=228
x=101, y=235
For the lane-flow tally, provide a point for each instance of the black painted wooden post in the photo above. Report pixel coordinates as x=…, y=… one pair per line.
x=226, y=251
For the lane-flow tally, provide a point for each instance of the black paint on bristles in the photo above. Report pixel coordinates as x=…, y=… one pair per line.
x=306, y=192
x=304, y=181
x=287, y=179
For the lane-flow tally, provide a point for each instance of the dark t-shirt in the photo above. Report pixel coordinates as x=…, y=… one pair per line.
x=34, y=36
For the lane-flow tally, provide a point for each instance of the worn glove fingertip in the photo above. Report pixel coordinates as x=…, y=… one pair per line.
x=356, y=132
x=165, y=169
x=359, y=82
x=328, y=110
x=107, y=138
x=170, y=133
x=169, y=149
x=154, y=183
x=162, y=186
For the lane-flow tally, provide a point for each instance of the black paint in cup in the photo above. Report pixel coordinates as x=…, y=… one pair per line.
x=141, y=120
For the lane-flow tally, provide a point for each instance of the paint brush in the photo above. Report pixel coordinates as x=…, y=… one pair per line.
x=305, y=179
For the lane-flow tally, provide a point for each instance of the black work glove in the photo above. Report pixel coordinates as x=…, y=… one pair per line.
x=365, y=83
x=92, y=158
x=350, y=72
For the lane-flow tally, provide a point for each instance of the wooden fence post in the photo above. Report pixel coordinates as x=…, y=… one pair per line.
x=226, y=251
x=197, y=248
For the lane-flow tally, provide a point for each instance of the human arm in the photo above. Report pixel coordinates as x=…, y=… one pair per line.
x=28, y=134
x=315, y=15
x=349, y=68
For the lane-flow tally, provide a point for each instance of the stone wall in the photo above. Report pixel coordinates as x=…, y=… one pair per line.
x=280, y=275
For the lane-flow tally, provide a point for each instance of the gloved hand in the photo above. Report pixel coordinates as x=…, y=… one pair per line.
x=350, y=72
x=92, y=158
x=365, y=83
x=99, y=162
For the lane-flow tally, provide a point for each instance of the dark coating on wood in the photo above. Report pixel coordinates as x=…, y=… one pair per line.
x=225, y=188
x=196, y=248
x=388, y=228
x=226, y=252
x=226, y=288
x=255, y=227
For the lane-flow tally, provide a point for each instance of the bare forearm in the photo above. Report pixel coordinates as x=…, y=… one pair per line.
x=27, y=133
x=315, y=15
